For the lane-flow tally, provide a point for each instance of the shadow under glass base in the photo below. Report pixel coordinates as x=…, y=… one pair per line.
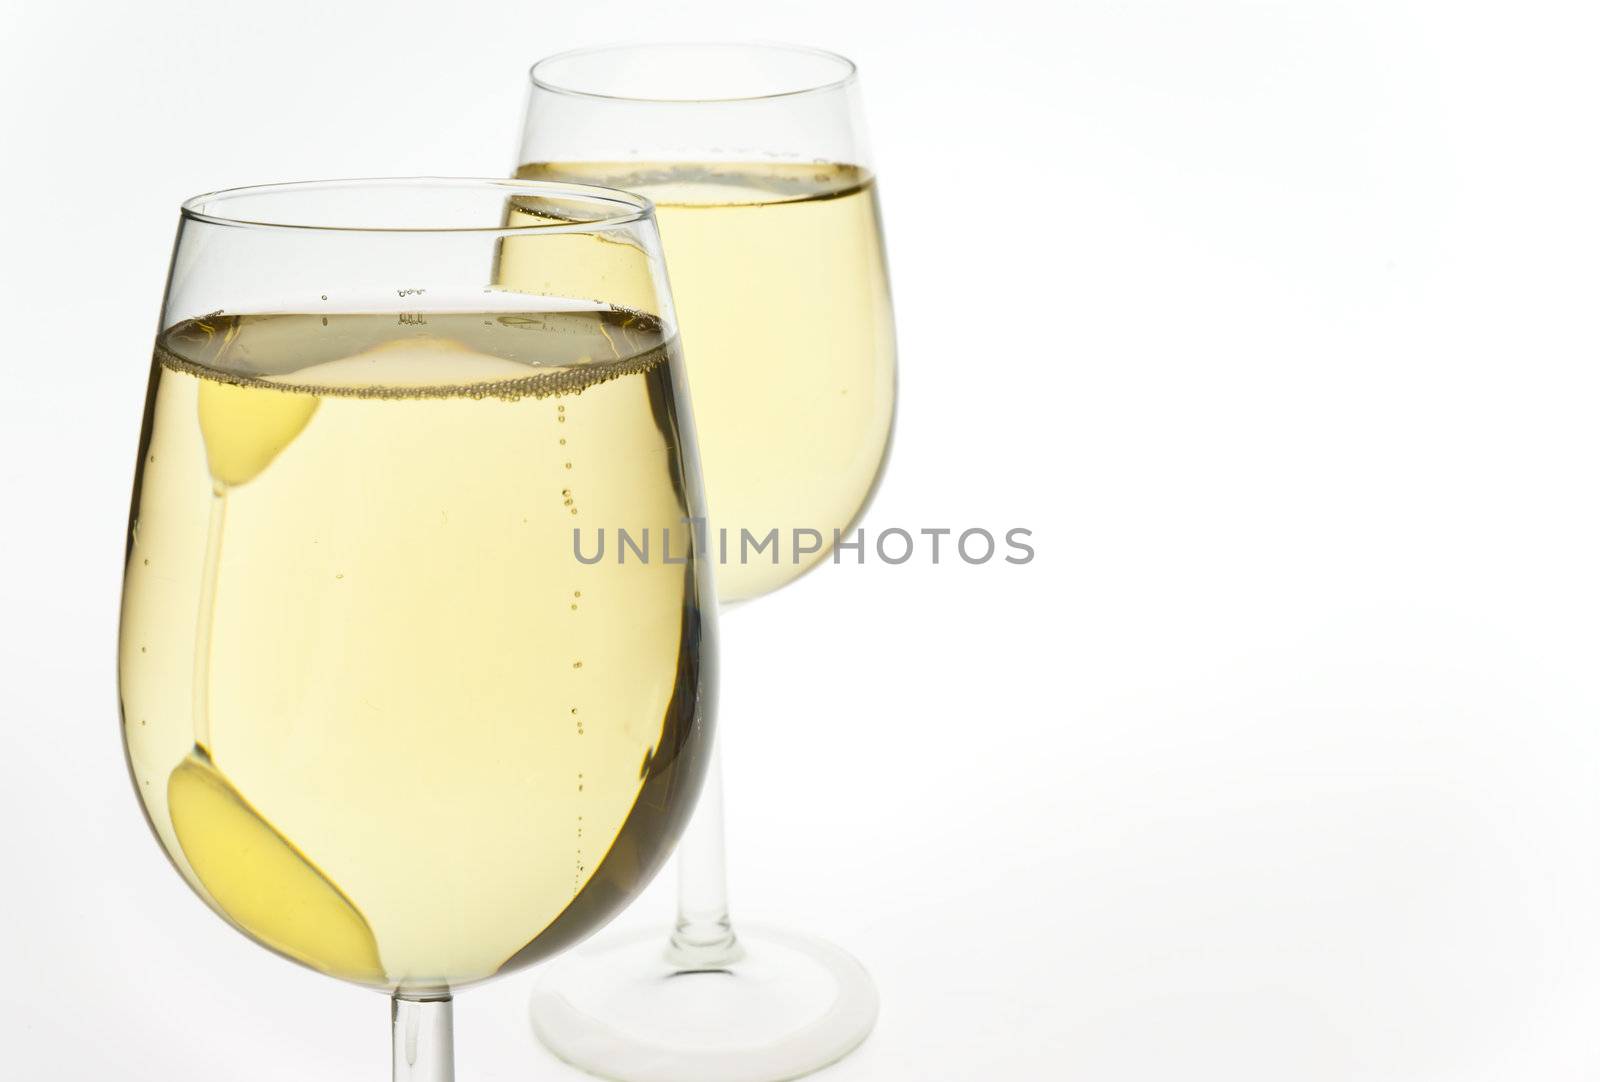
x=788, y=1006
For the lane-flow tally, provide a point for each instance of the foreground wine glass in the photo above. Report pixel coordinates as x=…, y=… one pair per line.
x=382, y=718
x=755, y=157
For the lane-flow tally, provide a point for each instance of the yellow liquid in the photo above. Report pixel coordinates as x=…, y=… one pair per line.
x=782, y=298
x=381, y=717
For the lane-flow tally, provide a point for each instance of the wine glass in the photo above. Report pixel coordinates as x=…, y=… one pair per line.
x=755, y=157
x=381, y=718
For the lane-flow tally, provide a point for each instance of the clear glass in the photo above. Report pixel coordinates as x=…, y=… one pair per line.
x=381, y=716
x=755, y=157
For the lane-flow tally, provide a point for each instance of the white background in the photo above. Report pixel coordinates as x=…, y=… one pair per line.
x=1276, y=322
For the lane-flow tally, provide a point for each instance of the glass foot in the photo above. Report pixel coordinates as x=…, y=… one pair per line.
x=788, y=1006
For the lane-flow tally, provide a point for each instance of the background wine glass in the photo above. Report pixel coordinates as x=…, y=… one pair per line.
x=756, y=159
x=380, y=717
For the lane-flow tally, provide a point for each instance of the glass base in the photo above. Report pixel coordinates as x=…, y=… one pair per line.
x=788, y=1006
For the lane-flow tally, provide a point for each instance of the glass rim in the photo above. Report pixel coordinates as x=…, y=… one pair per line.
x=624, y=207
x=846, y=65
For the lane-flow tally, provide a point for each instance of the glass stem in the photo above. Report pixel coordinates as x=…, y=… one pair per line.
x=424, y=1041
x=703, y=937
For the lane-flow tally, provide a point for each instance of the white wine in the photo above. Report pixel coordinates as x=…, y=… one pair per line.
x=779, y=282
x=380, y=716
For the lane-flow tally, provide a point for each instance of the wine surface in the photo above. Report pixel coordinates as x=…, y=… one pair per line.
x=381, y=717
x=782, y=296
